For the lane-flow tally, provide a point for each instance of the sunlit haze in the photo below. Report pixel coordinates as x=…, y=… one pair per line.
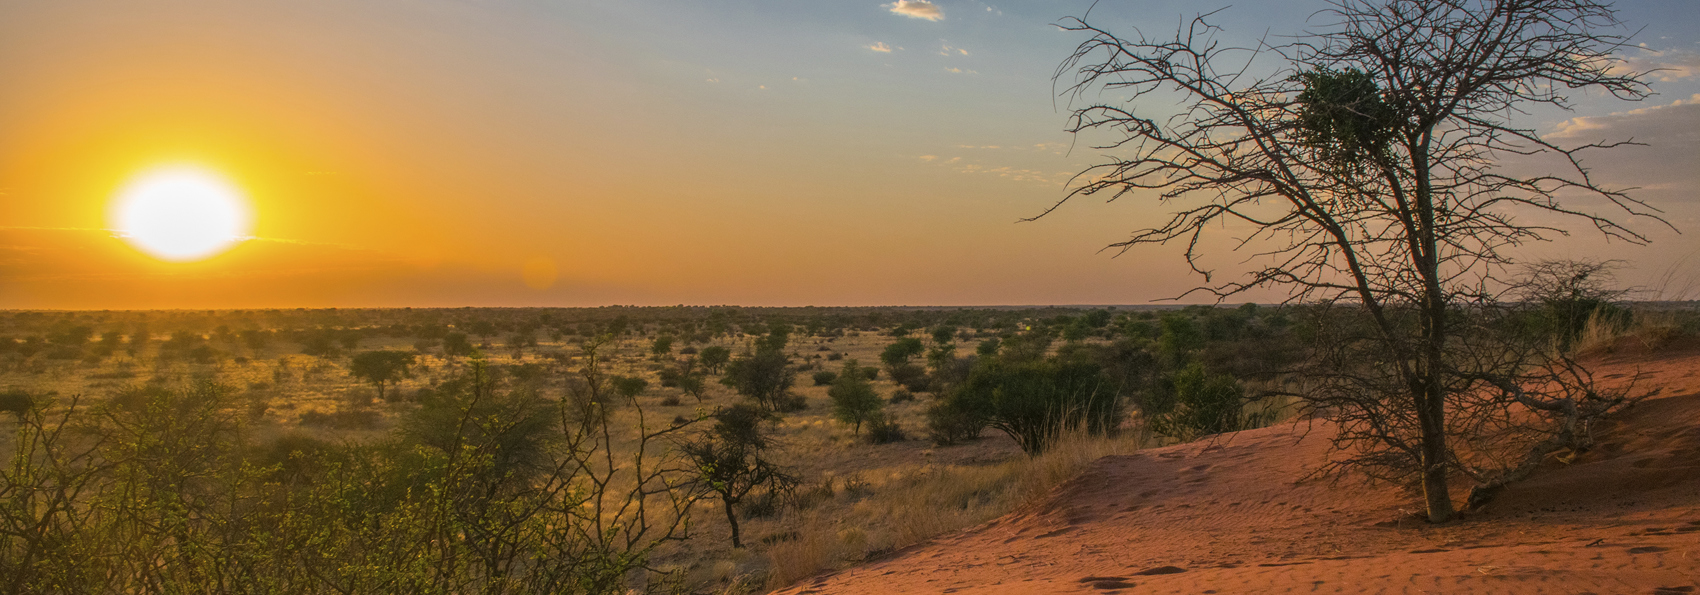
x=570, y=153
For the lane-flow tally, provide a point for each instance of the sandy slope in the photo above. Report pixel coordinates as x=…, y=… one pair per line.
x=1234, y=517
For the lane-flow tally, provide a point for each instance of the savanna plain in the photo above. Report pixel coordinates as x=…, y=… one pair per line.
x=812, y=450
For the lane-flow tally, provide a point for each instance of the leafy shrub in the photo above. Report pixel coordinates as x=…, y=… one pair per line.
x=1200, y=404
x=16, y=402
x=882, y=430
x=790, y=403
x=901, y=396
x=629, y=386
x=1033, y=401
x=853, y=398
x=947, y=425
x=669, y=377
x=910, y=376
x=764, y=376
x=825, y=377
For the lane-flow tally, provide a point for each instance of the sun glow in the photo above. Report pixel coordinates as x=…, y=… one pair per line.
x=181, y=213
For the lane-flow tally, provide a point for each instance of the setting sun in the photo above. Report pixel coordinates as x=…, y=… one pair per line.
x=180, y=213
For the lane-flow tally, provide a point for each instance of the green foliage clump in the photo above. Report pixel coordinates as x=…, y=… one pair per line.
x=825, y=377
x=381, y=368
x=764, y=376
x=457, y=345
x=854, y=400
x=883, y=430
x=949, y=425
x=17, y=402
x=714, y=357
x=1198, y=404
x=901, y=351
x=729, y=459
x=1034, y=400
x=629, y=386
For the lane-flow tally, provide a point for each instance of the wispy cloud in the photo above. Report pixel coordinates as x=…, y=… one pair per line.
x=950, y=50
x=880, y=46
x=960, y=71
x=918, y=9
x=1589, y=126
x=1662, y=65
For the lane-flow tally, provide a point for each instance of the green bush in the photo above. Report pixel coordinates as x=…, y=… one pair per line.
x=910, y=376
x=853, y=398
x=1034, y=401
x=16, y=402
x=825, y=377
x=947, y=425
x=1198, y=403
x=882, y=430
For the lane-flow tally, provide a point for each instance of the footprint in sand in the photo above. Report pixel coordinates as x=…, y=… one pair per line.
x=1160, y=570
x=1107, y=582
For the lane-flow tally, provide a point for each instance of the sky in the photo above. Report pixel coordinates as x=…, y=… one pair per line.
x=567, y=153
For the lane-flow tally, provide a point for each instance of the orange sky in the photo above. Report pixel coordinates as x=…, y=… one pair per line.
x=422, y=153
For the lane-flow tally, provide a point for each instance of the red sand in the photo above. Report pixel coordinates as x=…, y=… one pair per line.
x=1234, y=517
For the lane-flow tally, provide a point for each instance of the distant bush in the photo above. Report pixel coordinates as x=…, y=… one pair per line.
x=948, y=425
x=853, y=398
x=910, y=376
x=1034, y=401
x=669, y=377
x=834, y=356
x=882, y=430
x=1197, y=404
x=901, y=396
x=629, y=386
x=790, y=403
x=16, y=402
x=457, y=345
x=825, y=377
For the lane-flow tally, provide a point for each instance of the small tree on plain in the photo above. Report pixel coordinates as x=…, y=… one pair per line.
x=764, y=376
x=714, y=358
x=730, y=462
x=661, y=347
x=630, y=386
x=381, y=368
x=853, y=398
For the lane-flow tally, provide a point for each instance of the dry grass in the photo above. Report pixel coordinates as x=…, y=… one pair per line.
x=915, y=504
x=1651, y=329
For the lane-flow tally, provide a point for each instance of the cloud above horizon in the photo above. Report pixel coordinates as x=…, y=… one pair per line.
x=917, y=9
x=880, y=46
x=1661, y=65
x=1669, y=121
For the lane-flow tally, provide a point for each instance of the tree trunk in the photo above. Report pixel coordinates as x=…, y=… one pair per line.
x=732, y=519
x=1430, y=392
x=1431, y=418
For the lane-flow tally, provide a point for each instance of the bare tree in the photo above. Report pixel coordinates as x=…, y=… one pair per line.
x=1363, y=169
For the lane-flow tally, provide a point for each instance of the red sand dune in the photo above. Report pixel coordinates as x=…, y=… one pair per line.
x=1233, y=517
